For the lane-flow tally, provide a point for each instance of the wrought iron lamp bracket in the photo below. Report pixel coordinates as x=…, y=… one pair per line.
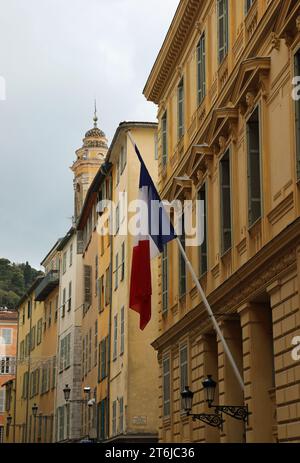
x=239, y=412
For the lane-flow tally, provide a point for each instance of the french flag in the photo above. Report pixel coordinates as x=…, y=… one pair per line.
x=148, y=244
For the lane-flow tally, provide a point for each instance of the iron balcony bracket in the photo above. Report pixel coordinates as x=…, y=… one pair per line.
x=239, y=412
x=211, y=419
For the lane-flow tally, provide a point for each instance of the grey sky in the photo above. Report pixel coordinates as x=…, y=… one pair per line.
x=56, y=56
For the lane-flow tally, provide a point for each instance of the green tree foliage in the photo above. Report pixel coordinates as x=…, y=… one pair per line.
x=15, y=279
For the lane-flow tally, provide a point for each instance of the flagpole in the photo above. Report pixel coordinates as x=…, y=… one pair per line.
x=206, y=303
x=211, y=315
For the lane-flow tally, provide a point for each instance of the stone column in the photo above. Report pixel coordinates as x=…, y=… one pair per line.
x=258, y=369
x=230, y=392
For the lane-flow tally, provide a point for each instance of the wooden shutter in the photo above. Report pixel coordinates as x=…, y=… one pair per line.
x=87, y=285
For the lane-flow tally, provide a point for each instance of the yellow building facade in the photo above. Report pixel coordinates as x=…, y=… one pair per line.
x=229, y=136
x=133, y=370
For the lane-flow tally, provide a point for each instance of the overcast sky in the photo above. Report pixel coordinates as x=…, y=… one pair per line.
x=56, y=56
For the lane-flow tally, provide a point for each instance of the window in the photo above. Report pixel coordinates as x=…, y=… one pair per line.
x=32, y=338
x=39, y=331
x=70, y=296
x=297, y=115
x=164, y=139
x=115, y=348
x=29, y=309
x=114, y=418
x=2, y=400
x=83, y=357
x=71, y=255
x=102, y=241
x=166, y=386
x=102, y=426
x=201, y=73
x=103, y=354
x=121, y=415
x=22, y=352
x=116, y=271
x=23, y=316
x=61, y=419
x=107, y=286
x=180, y=96
x=65, y=350
x=87, y=286
x=248, y=4
x=96, y=344
x=203, y=248
x=45, y=377
x=64, y=265
x=254, y=176
x=56, y=308
x=183, y=359
x=225, y=202
x=63, y=307
x=101, y=294
x=122, y=340
x=164, y=274
x=123, y=261
x=7, y=365
x=222, y=29
x=117, y=217
x=182, y=266
x=27, y=344
x=6, y=336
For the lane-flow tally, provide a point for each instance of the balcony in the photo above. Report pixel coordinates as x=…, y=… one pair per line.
x=48, y=283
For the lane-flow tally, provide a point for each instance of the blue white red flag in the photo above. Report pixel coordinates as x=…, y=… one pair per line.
x=157, y=231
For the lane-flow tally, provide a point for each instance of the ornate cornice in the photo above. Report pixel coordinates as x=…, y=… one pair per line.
x=175, y=41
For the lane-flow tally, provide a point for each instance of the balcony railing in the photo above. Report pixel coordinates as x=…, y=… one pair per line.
x=49, y=282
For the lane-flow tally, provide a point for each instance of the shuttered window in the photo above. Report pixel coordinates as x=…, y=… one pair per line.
x=87, y=285
x=201, y=71
x=122, y=340
x=225, y=200
x=202, y=196
x=222, y=29
x=165, y=288
x=182, y=265
x=180, y=97
x=254, y=176
x=123, y=261
x=164, y=139
x=107, y=286
x=115, y=348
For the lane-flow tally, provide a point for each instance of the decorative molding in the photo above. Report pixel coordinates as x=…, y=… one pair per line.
x=279, y=211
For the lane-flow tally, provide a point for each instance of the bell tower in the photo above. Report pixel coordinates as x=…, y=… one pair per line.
x=88, y=160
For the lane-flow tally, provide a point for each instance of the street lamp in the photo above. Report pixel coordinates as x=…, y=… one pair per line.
x=34, y=409
x=67, y=392
x=212, y=419
x=34, y=412
x=9, y=420
x=239, y=412
x=209, y=389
